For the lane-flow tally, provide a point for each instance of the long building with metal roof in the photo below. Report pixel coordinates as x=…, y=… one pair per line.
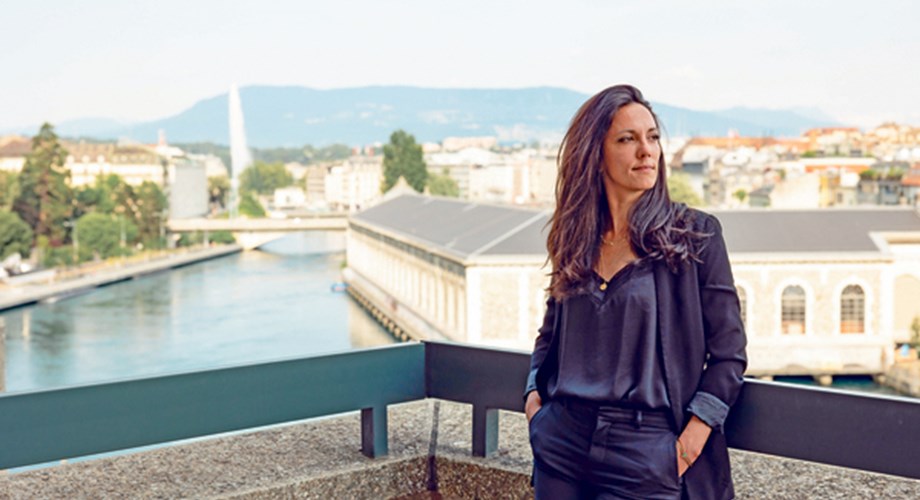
x=823, y=292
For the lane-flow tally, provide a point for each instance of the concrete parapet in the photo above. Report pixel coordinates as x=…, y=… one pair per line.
x=430, y=445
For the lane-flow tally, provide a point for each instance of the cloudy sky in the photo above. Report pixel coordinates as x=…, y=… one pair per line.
x=856, y=61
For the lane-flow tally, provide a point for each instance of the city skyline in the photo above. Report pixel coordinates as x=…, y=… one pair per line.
x=148, y=61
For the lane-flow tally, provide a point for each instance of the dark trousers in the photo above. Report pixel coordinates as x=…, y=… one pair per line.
x=582, y=451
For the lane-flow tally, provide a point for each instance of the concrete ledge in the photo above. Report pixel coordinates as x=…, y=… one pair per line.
x=430, y=444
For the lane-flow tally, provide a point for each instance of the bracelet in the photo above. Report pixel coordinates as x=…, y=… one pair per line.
x=683, y=453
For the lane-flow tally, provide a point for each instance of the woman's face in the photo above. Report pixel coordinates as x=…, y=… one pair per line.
x=631, y=152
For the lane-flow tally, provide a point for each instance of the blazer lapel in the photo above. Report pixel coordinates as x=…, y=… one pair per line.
x=665, y=289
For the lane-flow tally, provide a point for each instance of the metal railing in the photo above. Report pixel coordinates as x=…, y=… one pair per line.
x=867, y=432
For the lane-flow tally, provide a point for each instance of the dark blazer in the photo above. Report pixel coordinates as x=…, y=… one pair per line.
x=703, y=342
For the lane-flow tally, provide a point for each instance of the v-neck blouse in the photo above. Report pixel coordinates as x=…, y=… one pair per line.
x=608, y=345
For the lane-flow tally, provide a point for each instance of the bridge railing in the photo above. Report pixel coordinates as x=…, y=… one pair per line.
x=867, y=432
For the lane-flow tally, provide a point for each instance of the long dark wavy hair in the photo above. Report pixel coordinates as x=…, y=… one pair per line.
x=659, y=229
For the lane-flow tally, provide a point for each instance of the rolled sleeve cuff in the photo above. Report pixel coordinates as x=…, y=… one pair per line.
x=709, y=409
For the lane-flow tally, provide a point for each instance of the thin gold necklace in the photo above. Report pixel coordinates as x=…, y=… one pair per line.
x=616, y=238
x=604, y=283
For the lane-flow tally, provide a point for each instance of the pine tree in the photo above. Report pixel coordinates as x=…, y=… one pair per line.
x=402, y=157
x=45, y=201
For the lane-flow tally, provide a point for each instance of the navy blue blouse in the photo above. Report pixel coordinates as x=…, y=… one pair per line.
x=608, y=345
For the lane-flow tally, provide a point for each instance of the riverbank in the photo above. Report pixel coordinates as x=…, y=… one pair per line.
x=904, y=377
x=72, y=282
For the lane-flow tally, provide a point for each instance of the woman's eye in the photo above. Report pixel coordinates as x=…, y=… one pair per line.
x=627, y=138
x=654, y=137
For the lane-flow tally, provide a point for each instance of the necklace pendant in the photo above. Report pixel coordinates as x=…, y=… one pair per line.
x=603, y=286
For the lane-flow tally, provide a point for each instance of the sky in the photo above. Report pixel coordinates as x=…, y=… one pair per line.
x=858, y=62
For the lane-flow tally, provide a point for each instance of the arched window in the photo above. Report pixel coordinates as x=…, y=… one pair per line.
x=742, y=298
x=793, y=315
x=853, y=310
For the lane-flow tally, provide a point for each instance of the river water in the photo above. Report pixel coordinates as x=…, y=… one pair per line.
x=254, y=306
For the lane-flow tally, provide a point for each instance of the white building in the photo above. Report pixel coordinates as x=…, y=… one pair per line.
x=458, y=143
x=13, y=151
x=445, y=268
x=133, y=163
x=825, y=291
x=290, y=197
x=526, y=177
x=355, y=184
x=188, y=188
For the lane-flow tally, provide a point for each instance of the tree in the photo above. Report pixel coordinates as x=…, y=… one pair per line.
x=15, y=235
x=870, y=175
x=102, y=197
x=682, y=192
x=45, y=198
x=9, y=189
x=151, y=209
x=740, y=194
x=218, y=189
x=100, y=235
x=402, y=157
x=265, y=178
x=443, y=185
x=250, y=206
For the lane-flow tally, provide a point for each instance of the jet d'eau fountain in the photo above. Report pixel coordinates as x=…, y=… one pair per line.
x=240, y=157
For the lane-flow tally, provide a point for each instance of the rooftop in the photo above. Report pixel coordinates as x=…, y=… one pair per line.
x=459, y=228
x=828, y=230
x=466, y=229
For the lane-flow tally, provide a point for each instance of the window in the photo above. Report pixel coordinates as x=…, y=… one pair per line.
x=853, y=310
x=793, y=316
x=742, y=298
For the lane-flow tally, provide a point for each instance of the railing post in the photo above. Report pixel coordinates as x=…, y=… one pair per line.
x=374, y=431
x=485, y=430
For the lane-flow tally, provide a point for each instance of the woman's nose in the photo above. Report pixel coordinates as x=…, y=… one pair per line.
x=645, y=148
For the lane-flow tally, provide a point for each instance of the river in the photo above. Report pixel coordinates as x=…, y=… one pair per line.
x=249, y=307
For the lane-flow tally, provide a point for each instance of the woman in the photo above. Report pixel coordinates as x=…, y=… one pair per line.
x=641, y=352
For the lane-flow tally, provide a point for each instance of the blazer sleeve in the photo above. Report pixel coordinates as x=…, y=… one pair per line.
x=726, y=359
x=541, y=345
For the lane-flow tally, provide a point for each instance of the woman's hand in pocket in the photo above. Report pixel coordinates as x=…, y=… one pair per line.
x=532, y=405
x=690, y=443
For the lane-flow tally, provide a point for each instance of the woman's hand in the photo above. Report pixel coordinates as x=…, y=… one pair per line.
x=532, y=405
x=690, y=443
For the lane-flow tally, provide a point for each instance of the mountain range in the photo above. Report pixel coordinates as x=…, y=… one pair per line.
x=293, y=116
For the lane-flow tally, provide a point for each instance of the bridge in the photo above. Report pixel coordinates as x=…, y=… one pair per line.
x=253, y=233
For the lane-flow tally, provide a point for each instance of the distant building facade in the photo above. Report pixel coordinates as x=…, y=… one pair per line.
x=355, y=184
x=134, y=163
x=825, y=291
x=451, y=269
x=526, y=177
x=188, y=188
x=458, y=143
x=13, y=151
